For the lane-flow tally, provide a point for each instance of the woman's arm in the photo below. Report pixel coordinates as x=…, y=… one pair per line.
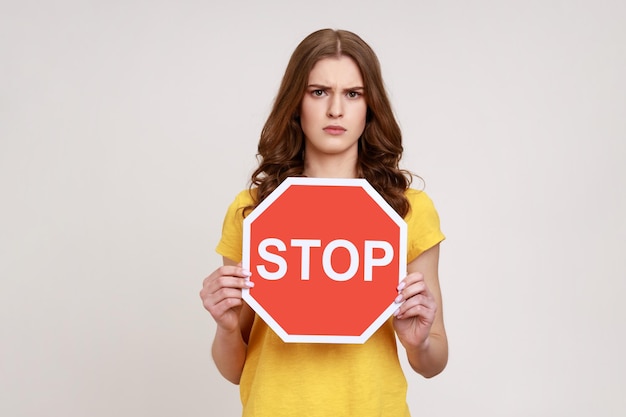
x=419, y=319
x=221, y=296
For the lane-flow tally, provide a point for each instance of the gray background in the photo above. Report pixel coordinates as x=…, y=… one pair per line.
x=127, y=127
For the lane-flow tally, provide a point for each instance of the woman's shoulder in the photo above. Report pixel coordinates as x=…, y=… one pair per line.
x=418, y=198
x=423, y=223
x=422, y=208
x=245, y=197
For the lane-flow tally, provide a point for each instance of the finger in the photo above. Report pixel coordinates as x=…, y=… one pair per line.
x=215, y=283
x=225, y=301
x=413, y=290
x=410, y=279
x=224, y=278
x=230, y=271
x=415, y=306
x=229, y=282
x=420, y=299
x=415, y=311
x=418, y=311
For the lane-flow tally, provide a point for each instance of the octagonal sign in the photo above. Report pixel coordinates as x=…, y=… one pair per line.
x=326, y=256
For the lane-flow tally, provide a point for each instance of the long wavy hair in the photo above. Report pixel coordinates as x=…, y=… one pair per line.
x=281, y=145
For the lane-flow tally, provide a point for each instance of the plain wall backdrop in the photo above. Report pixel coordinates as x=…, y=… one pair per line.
x=127, y=127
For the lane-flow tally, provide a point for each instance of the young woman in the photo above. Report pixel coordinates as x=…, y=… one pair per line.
x=332, y=119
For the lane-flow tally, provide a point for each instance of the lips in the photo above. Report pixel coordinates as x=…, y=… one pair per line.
x=334, y=130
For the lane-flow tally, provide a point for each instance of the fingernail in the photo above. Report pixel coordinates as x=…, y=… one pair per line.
x=249, y=284
x=398, y=299
x=246, y=272
x=401, y=286
x=395, y=313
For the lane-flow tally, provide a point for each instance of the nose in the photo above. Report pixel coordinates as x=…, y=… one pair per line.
x=335, y=107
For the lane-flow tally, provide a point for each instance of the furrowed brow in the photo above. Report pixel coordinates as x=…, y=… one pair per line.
x=325, y=87
x=318, y=86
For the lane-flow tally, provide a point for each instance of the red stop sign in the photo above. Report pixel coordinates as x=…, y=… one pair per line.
x=326, y=256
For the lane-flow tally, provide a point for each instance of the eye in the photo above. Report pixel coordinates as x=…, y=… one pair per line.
x=353, y=94
x=317, y=93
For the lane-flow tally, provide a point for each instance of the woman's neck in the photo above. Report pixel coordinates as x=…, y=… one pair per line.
x=330, y=167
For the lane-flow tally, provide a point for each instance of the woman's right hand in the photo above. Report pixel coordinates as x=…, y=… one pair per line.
x=221, y=295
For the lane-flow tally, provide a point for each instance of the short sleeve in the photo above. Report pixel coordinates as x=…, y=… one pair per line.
x=230, y=244
x=424, y=230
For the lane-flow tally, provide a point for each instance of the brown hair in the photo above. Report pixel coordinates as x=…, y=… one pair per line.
x=281, y=146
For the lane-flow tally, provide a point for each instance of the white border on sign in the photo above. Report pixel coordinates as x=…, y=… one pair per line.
x=339, y=182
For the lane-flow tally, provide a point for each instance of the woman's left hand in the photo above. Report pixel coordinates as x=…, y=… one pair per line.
x=417, y=309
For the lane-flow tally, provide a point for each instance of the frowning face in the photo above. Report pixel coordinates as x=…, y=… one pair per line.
x=333, y=110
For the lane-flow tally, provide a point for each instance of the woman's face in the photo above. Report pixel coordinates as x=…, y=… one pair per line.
x=333, y=109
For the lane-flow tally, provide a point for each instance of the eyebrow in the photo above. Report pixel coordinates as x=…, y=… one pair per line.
x=325, y=87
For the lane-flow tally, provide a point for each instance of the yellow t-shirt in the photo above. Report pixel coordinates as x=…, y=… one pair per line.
x=302, y=379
